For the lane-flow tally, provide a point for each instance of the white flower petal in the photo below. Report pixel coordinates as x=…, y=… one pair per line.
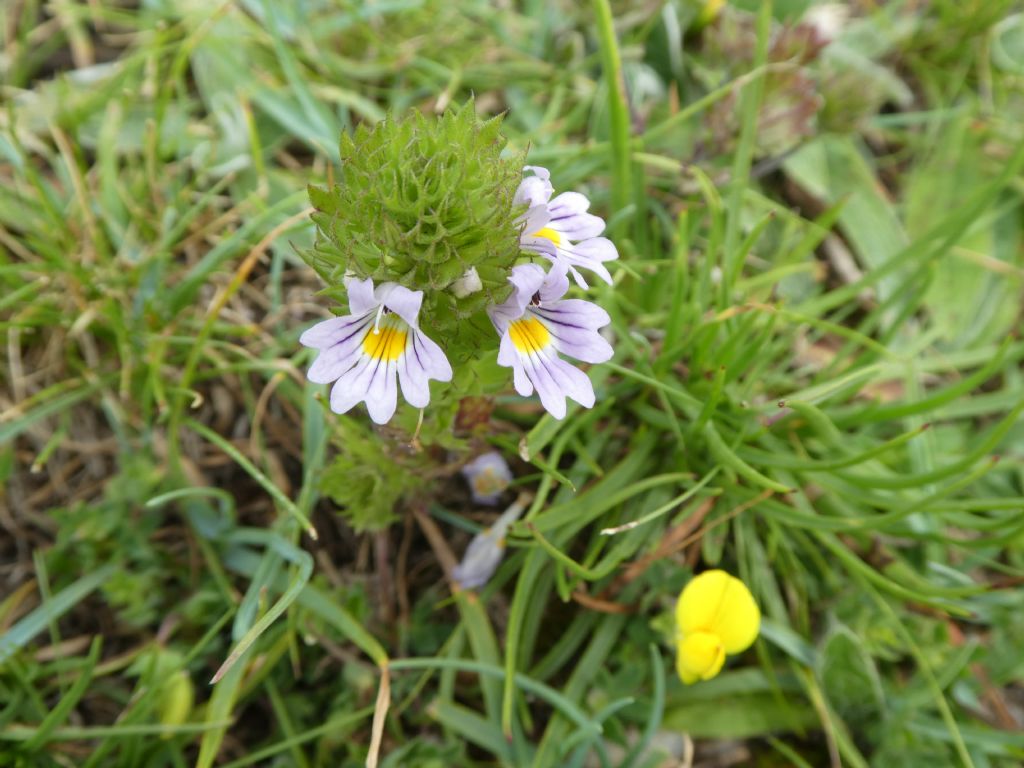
x=507, y=354
x=575, y=312
x=521, y=379
x=431, y=357
x=527, y=279
x=582, y=343
x=567, y=204
x=422, y=360
x=534, y=190
x=573, y=382
x=400, y=300
x=468, y=284
x=536, y=217
x=350, y=388
x=538, y=170
x=589, y=254
x=540, y=245
x=595, y=249
x=381, y=390
x=577, y=226
x=551, y=395
x=360, y=295
x=412, y=377
x=555, y=283
x=578, y=277
x=329, y=332
x=333, y=361
x=509, y=357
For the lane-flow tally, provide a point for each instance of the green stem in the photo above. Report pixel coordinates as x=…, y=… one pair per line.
x=618, y=109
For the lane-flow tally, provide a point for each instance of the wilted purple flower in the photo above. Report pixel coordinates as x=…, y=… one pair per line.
x=488, y=476
x=484, y=553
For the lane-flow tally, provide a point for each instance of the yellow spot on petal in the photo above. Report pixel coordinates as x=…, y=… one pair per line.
x=528, y=334
x=719, y=604
x=549, y=234
x=700, y=657
x=386, y=342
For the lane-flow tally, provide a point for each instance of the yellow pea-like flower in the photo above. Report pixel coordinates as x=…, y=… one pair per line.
x=700, y=657
x=715, y=616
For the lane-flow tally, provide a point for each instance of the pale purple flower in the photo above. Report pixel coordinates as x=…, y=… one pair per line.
x=364, y=352
x=535, y=324
x=484, y=553
x=561, y=229
x=488, y=476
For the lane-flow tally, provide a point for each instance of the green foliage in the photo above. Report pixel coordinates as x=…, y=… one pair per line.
x=113, y=530
x=371, y=475
x=817, y=385
x=850, y=679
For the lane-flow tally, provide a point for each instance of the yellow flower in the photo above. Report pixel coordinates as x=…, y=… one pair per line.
x=715, y=616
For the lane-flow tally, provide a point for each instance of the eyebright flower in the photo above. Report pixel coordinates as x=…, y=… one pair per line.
x=363, y=352
x=488, y=476
x=561, y=229
x=484, y=553
x=535, y=324
x=716, y=615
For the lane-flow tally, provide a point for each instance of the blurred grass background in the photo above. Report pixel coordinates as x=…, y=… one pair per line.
x=817, y=386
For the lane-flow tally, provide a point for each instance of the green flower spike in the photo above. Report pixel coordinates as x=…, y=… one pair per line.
x=426, y=203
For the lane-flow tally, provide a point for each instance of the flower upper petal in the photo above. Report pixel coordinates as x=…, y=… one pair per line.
x=526, y=279
x=555, y=283
x=361, y=296
x=403, y=302
x=535, y=218
x=536, y=189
